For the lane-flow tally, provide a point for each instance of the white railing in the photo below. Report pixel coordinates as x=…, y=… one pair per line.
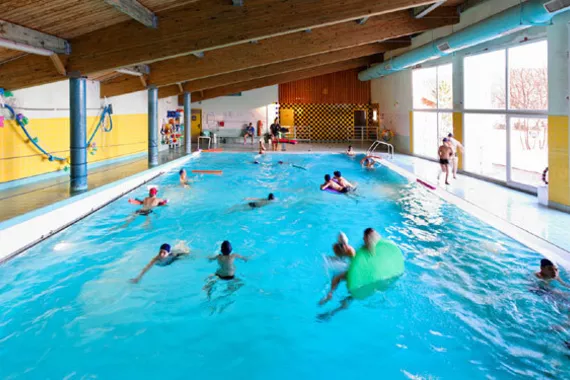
x=378, y=143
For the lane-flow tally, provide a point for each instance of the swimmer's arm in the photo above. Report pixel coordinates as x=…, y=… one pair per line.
x=325, y=186
x=566, y=285
x=162, y=202
x=213, y=258
x=145, y=269
x=135, y=201
x=235, y=255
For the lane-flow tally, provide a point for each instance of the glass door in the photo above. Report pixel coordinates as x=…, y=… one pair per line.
x=527, y=150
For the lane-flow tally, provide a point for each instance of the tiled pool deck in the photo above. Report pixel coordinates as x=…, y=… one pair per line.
x=517, y=208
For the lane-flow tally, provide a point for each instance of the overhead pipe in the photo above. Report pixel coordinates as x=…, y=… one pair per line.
x=519, y=17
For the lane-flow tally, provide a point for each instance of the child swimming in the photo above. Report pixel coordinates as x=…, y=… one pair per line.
x=227, y=269
x=549, y=272
x=164, y=258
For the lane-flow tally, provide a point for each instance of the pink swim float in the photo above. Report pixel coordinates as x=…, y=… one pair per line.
x=428, y=185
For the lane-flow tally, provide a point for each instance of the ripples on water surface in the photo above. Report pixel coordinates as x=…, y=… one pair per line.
x=462, y=310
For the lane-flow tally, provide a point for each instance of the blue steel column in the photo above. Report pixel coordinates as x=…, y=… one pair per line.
x=78, y=133
x=188, y=122
x=153, y=126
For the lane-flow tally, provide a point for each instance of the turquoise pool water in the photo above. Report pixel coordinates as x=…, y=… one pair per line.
x=463, y=309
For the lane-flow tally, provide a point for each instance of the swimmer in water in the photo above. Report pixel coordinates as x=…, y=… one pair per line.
x=261, y=146
x=369, y=162
x=342, y=181
x=149, y=202
x=227, y=269
x=183, y=178
x=165, y=257
x=260, y=202
x=370, y=238
x=549, y=272
x=350, y=151
x=332, y=184
x=342, y=250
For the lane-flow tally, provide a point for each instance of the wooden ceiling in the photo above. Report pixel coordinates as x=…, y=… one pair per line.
x=208, y=47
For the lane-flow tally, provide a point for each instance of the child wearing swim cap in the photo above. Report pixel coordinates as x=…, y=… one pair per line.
x=149, y=202
x=226, y=269
x=165, y=257
x=341, y=247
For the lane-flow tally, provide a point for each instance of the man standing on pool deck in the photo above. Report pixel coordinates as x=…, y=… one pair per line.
x=445, y=152
x=455, y=145
x=275, y=129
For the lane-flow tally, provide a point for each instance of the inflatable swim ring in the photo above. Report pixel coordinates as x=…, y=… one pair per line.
x=371, y=272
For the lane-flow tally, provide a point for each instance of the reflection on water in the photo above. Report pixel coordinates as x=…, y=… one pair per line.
x=468, y=305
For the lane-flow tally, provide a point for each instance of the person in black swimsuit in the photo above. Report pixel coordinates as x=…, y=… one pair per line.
x=445, y=153
x=260, y=202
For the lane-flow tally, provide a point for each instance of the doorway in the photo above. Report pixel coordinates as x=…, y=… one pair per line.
x=196, y=117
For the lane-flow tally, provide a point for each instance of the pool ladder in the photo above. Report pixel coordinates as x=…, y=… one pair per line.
x=378, y=143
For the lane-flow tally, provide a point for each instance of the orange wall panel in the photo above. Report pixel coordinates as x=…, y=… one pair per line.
x=337, y=88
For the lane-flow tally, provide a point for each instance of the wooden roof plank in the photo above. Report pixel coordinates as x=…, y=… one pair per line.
x=215, y=24
x=281, y=78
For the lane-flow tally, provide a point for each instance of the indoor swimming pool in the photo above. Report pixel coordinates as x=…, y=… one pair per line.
x=467, y=307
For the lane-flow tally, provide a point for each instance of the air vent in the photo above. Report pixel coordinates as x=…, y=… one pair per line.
x=443, y=47
x=556, y=5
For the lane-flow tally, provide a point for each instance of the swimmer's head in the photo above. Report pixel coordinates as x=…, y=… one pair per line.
x=153, y=191
x=280, y=162
x=450, y=135
x=337, y=174
x=164, y=250
x=256, y=162
x=445, y=139
x=327, y=177
x=271, y=197
x=547, y=269
x=342, y=238
x=350, y=147
x=226, y=248
x=182, y=171
x=370, y=237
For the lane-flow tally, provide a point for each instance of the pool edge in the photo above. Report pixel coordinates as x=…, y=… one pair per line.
x=23, y=232
x=536, y=243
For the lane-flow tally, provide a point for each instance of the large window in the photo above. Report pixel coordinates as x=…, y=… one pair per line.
x=433, y=101
x=506, y=101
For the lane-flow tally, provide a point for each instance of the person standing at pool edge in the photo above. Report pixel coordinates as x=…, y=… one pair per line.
x=275, y=129
x=445, y=153
x=455, y=145
x=227, y=269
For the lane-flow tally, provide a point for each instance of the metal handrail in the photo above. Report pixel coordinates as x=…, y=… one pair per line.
x=378, y=143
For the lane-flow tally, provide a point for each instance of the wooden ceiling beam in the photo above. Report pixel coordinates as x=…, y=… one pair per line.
x=171, y=90
x=262, y=71
x=281, y=78
x=31, y=71
x=17, y=37
x=297, y=45
x=288, y=66
x=136, y=11
x=204, y=26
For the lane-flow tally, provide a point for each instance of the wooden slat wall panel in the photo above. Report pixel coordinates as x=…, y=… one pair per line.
x=337, y=88
x=7, y=54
